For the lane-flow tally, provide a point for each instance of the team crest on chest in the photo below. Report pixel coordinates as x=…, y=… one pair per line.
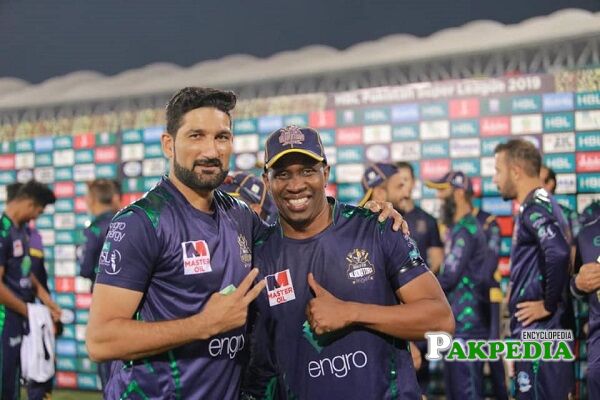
x=245, y=253
x=360, y=269
x=196, y=257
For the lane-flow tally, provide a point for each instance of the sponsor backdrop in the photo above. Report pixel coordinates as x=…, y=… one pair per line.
x=436, y=126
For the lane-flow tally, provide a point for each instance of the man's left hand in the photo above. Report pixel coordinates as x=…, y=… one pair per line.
x=531, y=311
x=388, y=211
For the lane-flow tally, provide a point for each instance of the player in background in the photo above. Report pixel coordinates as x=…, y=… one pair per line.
x=539, y=272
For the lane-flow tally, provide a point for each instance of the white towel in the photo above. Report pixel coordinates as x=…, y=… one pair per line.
x=37, y=349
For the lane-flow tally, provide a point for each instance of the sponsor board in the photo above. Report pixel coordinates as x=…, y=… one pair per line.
x=348, y=117
x=561, y=122
x=131, y=152
x=322, y=119
x=24, y=160
x=526, y=104
x=495, y=126
x=377, y=134
x=434, y=129
x=584, y=200
x=488, y=166
x=496, y=206
x=405, y=113
x=464, y=128
x=406, y=151
x=587, y=141
x=376, y=116
x=435, y=149
x=247, y=125
x=588, y=100
x=152, y=134
x=296, y=119
x=470, y=166
x=588, y=183
x=560, y=163
x=405, y=132
x=558, y=142
x=64, y=158
x=378, y=152
x=464, y=108
x=588, y=161
x=434, y=110
x=431, y=169
x=467, y=147
x=350, y=154
x=105, y=154
x=587, y=120
x=552, y=102
x=245, y=143
x=526, y=124
x=566, y=183
x=349, y=173
x=349, y=135
x=133, y=136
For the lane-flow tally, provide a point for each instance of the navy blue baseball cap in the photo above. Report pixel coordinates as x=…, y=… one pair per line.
x=252, y=190
x=293, y=139
x=455, y=179
x=375, y=175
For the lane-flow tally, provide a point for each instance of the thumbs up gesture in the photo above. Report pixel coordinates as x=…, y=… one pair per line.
x=326, y=313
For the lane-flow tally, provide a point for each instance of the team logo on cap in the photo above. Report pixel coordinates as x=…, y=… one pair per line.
x=280, y=288
x=245, y=253
x=360, y=268
x=196, y=257
x=290, y=136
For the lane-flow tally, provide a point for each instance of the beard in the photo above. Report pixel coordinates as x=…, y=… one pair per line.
x=198, y=182
x=509, y=191
x=447, y=211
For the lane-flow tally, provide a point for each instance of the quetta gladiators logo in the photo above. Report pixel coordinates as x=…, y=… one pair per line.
x=360, y=268
x=290, y=136
x=245, y=253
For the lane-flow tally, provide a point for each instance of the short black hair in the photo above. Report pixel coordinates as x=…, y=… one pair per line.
x=551, y=174
x=12, y=190
x=190, y=98
x=524, y=153
x=36, y=191
x=407, y=165
x=104, y=190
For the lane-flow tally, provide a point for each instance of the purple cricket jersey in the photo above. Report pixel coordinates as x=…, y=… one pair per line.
x=539, y=260
x=588, y=251
x=423, y=229
x=464, y=278
x=356, y=259
x=178, y=257
x=15, y=258
x=94, y=236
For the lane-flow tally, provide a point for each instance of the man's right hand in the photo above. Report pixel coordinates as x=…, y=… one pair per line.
x=224, y=312
x=588, y=278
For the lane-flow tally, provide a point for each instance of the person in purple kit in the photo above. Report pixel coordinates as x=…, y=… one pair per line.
x=103, y=199
x=467, y=277
x=253, y=192
x=175, y=272
x=395, y=183
x=344, y=293
x=539, y=266
x=35, y=390
x=18, y=285
x=586, y=285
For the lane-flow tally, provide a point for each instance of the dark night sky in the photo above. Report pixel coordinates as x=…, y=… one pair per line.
x=42, y=39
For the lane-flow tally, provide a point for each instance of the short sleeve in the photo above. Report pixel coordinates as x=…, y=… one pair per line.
x=129, y=253
x=403, y=262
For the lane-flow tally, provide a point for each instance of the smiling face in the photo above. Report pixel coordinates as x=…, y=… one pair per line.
x=297, y=183
x=199, y=153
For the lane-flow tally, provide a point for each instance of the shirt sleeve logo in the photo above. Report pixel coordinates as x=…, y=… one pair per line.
x=245, y=253
x=196, y=257
x=280, y=288
x=360, y=269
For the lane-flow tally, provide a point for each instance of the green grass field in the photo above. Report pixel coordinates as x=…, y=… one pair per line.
x=71, y=395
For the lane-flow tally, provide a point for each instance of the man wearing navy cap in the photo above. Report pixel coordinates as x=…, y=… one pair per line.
x=253, y=192
x=344, y=293
x=467, y=278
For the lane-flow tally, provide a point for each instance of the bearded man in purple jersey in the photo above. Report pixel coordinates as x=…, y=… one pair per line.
x=539, y=273
x=175, y=279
